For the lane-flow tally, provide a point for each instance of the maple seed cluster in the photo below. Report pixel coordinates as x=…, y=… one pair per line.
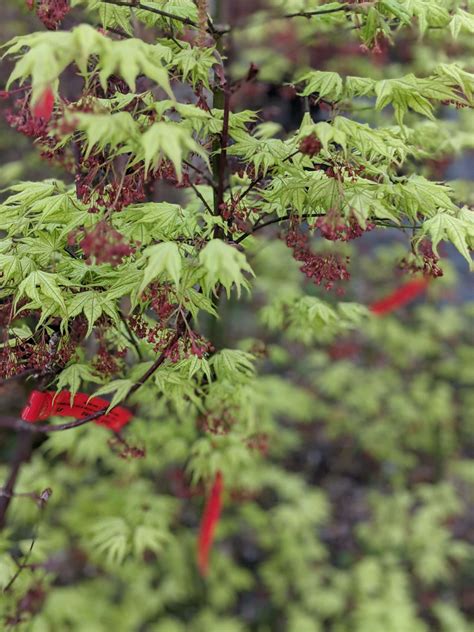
x=322, y=269
x=103, y=244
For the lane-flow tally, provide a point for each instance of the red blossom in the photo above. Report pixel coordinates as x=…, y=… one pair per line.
x=310, y=145
x=52, y=12
x=43, y=108
x=209, y=521
x=401, y=296
x=322, y=269
x=104, y=244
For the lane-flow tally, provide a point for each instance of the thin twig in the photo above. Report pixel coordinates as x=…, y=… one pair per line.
x=255, y=181
x=222, y=163
x=202, y=173
x=23, y=452
x=21, y=375
x=140, y=5
x=309, y=14
x=201, y=197
x=131, y=336
x=19, y=424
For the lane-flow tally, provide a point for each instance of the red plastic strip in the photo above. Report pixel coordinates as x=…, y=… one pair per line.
x=401, y=296
x=43, y=108
x=42, y=405
x=210, y=519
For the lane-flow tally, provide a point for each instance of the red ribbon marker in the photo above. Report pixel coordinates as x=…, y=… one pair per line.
x=43, y=108
x=42, y=405
x=401, y=296
x=210, y=518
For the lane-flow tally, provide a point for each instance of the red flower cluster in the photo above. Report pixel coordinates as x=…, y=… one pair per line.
x=95, y=185
x=160, y=337
x=217, y=423
x=161, y=299
x=156, y=335
x=236, y=215
x=310, y=145
x=191, y=344
x=106, y=362
x=429, y=261
x=259, y=442
x=43, y=354
x=23, y=120
x=104, y=244
x=333, y=228
x=52, y=12
x=322, y=269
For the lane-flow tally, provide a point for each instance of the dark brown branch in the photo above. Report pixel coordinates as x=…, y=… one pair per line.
x=285, y=218
x=22, y=453
x=19, y=376
x=222, y=163
x=19, y=424
x=166, y=14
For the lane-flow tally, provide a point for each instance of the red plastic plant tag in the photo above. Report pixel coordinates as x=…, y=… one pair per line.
x=401, y=296
x=43, y=108
x=42, y=405
x=210, y=519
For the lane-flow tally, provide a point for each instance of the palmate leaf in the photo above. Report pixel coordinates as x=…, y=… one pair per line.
x=233, y=365
x=461, y=21
x=40, y=284
x=171, y=141
x=120, y=388
x=160, y=221
x=444, y=226
x=107, y=130
x=48, y=54
x=148, y=538
x=121, y=16
x=90, y=304
x=72, y=376
x=447, y=83
x=164, y=261
x=111, y=538
x=223, y=264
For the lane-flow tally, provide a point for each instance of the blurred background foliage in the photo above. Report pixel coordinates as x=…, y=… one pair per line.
x=359, y=515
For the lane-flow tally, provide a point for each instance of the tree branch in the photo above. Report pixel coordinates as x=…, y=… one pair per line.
x=23, y=452
x=166, y=14
x=255, y=181
x=201, y=197
x=285, y=218
x=200, y=172
x=20, y=425
x=222, y=162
